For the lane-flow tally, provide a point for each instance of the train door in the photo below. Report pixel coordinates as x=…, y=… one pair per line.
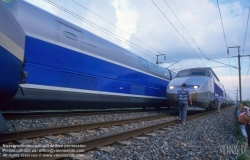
x=212, y=89
x=69, y=58
x=69, y=39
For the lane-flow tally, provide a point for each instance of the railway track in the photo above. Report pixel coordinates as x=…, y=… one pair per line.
x=12, y=136
x=94, y=143
x=106, y=140
x=36, y=115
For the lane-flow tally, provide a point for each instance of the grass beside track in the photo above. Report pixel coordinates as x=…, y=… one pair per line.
x=242, y=141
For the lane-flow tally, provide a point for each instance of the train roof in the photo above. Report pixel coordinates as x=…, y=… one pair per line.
x=90, y=39
x=203, y=68
x=81, y=29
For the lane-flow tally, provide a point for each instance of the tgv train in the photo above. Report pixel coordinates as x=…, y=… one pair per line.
x=69, y=67
x=203, y=85
x=12, y=40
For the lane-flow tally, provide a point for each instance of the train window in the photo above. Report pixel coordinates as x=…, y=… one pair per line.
x=210, y=74
x=183, y=73
x=215, y=77
x=163, y=72
x=173, y=74
x=198, y=73
x=143, y=63
x=216, y=80
x=70, y=35
x=154, y=68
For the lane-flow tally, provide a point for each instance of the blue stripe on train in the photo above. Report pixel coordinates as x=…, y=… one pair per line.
x=217, y=89
x=11, y=68
x=52, y=65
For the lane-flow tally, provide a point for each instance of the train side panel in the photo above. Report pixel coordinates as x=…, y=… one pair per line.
x=69, y=66
x=12, y=39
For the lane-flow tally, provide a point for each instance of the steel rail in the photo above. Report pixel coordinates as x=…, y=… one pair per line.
x=106, y=140
x=36, y=115
x=110, y=139
x=12, y=136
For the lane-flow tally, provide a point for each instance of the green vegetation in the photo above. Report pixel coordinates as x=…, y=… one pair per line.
x=248, y=103
x=242, y=141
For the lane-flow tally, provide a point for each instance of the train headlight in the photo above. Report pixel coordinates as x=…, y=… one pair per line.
x=171, y=87
x=196, y=87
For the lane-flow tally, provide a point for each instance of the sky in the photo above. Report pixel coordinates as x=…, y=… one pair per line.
x=187, y=31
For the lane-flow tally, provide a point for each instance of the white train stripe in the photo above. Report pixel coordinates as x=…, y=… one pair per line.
x=52, y=88
x=11, y=46
x=87, y=53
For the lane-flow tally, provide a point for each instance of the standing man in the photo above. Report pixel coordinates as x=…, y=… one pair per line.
x=219, y=102
x=183, y=96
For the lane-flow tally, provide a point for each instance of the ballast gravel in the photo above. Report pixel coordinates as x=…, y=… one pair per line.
x=24, y=124
x=94, y=133
x=198, y=139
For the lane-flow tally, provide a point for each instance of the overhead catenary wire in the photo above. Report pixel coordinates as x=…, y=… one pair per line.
x=244, y=47
x=178, y=32
x=185, y=29
x=246, y=32
x=118, y=28
x=246, y=75
x=222, y=25
x=99, y=27
x=225, y=41
x=96, y=26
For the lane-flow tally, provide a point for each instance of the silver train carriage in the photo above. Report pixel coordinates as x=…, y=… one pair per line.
x=69, y=67
x=203, y=85
x=12, y=39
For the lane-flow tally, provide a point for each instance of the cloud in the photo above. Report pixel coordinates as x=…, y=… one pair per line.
x=44, y=5
x=126, y=19
x=202, y=20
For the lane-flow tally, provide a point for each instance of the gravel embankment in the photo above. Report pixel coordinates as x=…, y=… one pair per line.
x=94, y=133
x=24, y=124
x=197, y=139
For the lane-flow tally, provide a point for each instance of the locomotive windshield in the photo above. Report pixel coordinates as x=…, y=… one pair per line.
x=183, y=73
x=192, y=72
x=198, y=73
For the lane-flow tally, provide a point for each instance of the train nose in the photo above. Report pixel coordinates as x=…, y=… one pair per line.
x=172, y=95
x=192, y=83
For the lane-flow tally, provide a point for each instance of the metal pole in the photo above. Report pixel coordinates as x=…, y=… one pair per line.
x=238, y=68
x=236, y=94
x=239, y=73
